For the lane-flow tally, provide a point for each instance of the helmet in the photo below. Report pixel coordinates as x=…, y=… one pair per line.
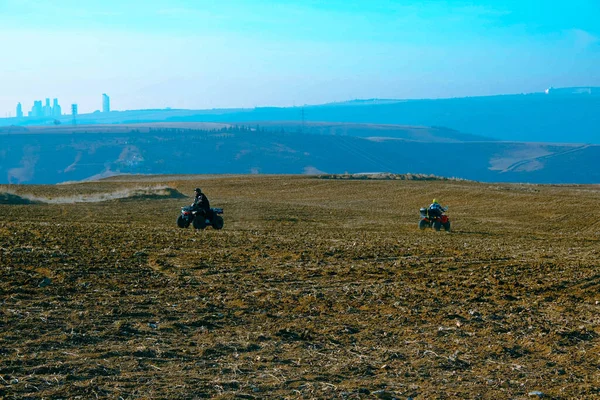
x=435, y=201
x=198, y=190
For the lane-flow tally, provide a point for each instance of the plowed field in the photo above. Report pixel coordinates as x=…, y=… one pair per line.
x=313, y=289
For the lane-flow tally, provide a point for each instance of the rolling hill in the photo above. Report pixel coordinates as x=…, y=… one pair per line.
x=60, y=154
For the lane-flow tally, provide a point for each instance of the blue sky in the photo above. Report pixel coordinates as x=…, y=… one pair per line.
x=247, y=53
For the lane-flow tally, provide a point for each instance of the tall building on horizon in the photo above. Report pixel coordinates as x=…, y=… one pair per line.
x=105, y=103
x=74, y=113
x=19, y=111
x=37, y=110
x=47, y=109
x=56, y=109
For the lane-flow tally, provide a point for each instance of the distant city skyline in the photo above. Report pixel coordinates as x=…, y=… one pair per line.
x=42, y=111
x=38, y=110
x=236, y=53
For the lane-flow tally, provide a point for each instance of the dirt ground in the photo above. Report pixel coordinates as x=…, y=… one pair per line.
x=314, y=289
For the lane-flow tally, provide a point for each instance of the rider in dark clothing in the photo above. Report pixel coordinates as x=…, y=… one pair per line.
x=201, y=203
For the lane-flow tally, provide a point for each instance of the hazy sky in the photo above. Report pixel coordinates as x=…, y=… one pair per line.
x=246, y=53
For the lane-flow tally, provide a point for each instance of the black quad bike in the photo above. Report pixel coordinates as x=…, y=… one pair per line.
x=190, y=215
x=435, y=221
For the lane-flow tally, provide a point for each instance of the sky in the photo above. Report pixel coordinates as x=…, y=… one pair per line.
x=199, y=54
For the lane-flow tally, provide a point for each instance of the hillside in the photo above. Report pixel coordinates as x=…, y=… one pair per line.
x=314, y=289
x=62, y=154
x=430, y=134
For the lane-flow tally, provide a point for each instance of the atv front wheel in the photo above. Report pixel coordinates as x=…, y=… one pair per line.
x=437, y=226
x=218, y=222
x=447, y=226
x=182, y=222
x=423, y=224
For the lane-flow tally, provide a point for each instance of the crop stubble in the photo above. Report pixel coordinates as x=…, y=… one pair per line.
x=314, y=289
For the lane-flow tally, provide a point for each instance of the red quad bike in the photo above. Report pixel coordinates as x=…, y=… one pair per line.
x=434, y=221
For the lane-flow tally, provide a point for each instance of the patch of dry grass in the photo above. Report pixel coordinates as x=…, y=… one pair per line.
x=10, y=196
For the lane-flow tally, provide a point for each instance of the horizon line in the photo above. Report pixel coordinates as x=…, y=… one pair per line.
x=373, y=99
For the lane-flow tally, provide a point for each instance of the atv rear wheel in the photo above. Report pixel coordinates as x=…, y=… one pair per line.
x=199, y=222
x=437, y=226
x=423, y=224
x=218, y=222
x=182, y=222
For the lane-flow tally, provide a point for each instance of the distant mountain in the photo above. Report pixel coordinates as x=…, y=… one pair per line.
x=527, y=118
x=59, y=154
x=562, y=115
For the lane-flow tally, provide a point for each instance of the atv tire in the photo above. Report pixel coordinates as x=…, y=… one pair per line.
x=218, y=222
x=181, y=222
x=423, y=224
x=199, y=222
x=447, y=226
x=437, y=226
